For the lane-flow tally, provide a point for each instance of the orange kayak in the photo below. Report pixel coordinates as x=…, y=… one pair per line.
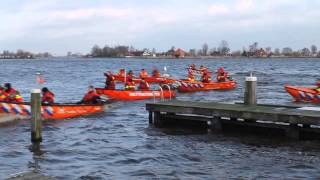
x=129, y=95
x=147, y=79
x=303, y=94
x=194, y=86
x=54, y=111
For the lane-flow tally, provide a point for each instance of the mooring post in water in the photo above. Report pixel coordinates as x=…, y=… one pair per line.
x=250, y=94
x=35, y=116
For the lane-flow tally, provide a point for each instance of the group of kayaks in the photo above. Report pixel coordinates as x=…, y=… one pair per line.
x=167, y=89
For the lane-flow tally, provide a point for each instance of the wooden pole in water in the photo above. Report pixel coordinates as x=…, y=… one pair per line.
x=250, y=94
x=35, y=116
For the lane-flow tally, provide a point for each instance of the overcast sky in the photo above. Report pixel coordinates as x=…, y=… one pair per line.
x=59, y=26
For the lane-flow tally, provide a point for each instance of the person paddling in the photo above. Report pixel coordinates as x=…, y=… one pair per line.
x=221, y=75
x=205, y=78
x=47, y=96
x=143, y=85
x=91, y=97
x=11, y=95
x=155, y=73
x=143, y=73
x=110, y=81
x=191, y=77
x=130, y=85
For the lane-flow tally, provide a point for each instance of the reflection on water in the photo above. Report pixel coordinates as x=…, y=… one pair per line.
x=119, y=144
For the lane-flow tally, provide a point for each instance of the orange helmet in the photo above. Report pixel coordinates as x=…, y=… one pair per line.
x=220, y=70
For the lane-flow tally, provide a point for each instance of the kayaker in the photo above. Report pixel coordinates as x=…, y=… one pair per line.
x=91, y=97
x=130, y=85
x=122, y=72
x=47, y=96
x=205, y=78
x=110, y=83
x=191, y=77
x=11, y=95
x=143, y=73
x=221, y=75
x=129, y=75
x=192, y=67
x=143, y=85
x=155, y=73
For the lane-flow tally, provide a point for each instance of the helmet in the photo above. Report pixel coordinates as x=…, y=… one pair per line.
x=7, y=85
x=220, y=70
x=45, y=89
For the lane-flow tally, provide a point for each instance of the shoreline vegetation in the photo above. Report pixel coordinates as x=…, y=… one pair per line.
x=223, y=51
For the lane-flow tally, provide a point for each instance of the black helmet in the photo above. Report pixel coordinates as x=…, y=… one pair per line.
x=44, y=89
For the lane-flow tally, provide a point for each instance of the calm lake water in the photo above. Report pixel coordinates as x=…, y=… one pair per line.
x=119, y=144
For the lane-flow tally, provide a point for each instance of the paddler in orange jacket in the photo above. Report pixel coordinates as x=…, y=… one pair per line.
x=221, y=75
x=191, y=77
x=130, y=85
x=110, y=84
x=143, y=73
x=91, y=97
x=129, y=75
x=205, y=78
x=155, y=73
x=122, y=72
x=143, y=85
x=47, y=96
x=11, y=95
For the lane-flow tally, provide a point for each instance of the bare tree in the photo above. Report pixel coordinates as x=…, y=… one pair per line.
x=205, y=48
x=224, y=47
x=287, y=51
x=314, y=49
x=277, y=51
x=253, y=48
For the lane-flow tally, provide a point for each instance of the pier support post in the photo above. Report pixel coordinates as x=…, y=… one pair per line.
x=292, y=132
x=157, y=119
x=150, y=117
x=250, y=94
x=215, y=124
x=35, y=116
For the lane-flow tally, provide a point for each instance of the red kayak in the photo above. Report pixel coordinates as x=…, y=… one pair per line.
x=129, y=95
x=147, y=79
x=194, y=86
x=54, y=111
x=303, y=94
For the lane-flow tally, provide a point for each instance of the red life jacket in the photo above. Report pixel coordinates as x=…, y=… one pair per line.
x=143, y=86
x=143, y=74
x=9, y=95
x=221, y=77
x=90, y=97
x=47, y=97
x=110, y=84
x=206, y=78
x=130, y=86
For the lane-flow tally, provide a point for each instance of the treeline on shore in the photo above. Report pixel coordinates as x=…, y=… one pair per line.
x=223, y=50
x=22, y=54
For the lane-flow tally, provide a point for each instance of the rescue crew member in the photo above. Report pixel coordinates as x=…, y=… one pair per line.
x=193, y=67
x=155, y=73
x=143, y=73
x=129, y=75
x=164, y=86
x=122, y=72
x=318, y=86
x=11, y=95
x=143, y=85
x=205, y=78
x=110, y=81
x=221, y=75
x=91, y=97
x=191, y=77
x=47, y=96
x=130, y=85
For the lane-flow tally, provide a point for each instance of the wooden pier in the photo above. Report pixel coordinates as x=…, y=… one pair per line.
x=291, y=121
